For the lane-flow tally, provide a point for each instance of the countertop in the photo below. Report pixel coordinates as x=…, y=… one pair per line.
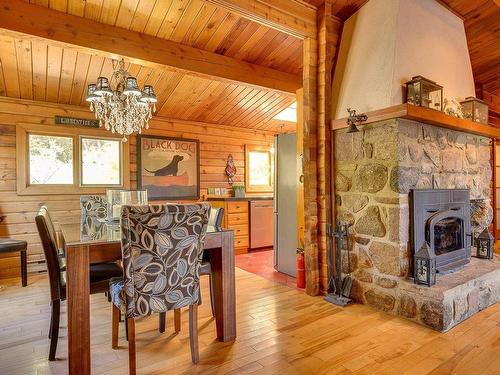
x=230, y=199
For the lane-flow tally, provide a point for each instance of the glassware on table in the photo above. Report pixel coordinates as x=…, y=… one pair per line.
x=118, y=198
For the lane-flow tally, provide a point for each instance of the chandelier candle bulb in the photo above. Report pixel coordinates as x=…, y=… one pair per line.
x=118, y=103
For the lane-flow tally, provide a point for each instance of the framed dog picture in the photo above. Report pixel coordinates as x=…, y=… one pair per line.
x=168, y=168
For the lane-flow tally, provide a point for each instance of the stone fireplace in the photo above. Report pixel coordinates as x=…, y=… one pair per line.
x=376, y=169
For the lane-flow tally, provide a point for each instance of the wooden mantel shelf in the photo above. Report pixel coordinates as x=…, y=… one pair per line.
x=427, y=116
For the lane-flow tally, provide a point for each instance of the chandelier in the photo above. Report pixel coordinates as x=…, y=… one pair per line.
x=119, y=104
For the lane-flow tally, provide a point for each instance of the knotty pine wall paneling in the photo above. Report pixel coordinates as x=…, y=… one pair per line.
x=17, y=213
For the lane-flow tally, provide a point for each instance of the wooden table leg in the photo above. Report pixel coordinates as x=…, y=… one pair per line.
x=78, y=297
x=24, y=268
x=222, y=263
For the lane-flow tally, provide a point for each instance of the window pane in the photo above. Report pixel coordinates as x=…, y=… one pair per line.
x=100, y=161
x=260, y=168
x=50, y=159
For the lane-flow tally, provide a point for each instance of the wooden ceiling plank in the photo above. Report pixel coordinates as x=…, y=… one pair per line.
x=251, y=107
x=54, y=61
x=24, y=68
x=79, y=78
x=254, y=42
x=287, y=16
x=60, y=5
x=166, y=86
x=194, y=98
x=142, y=15
x=187, y=88
x=9, y=64
x=111, y=41
x=238, y=102
x=67, y=72
x=76, y=8
x=270, y=109
x=193, y=11
x=126, y=13
x=212, y=100
x=230, y=102
x=220, y=102
x=198, y=25
x=93, y=9
x=174, y=14
x=109, y=11
x=234, y=34
x=261, y=95
x=39, y=64
x=216, y=20
x=94, y=71
x=197, y=104
x=221, y=33
x=157, y=17
x=245, y=35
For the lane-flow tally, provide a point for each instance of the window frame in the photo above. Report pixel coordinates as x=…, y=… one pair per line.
x=24, y=187
x=258, y=188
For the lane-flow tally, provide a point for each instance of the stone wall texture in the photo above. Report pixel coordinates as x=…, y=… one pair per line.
x=375, y=170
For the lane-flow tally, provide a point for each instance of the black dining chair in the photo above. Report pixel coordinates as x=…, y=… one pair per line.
x=100, y=274
x=162, y=246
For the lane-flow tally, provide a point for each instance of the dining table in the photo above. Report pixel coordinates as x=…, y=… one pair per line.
x=93, y=242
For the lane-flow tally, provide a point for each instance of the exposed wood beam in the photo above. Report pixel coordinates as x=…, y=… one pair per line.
x=292, y=17
x=109, y=41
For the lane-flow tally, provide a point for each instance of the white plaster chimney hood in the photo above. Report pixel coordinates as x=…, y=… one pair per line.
x=387, y=42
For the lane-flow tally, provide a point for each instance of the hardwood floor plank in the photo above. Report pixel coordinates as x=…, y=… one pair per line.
x=280, y=331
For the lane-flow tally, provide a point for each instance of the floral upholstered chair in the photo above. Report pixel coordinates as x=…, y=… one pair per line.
x=94, y=206
x=162, y=246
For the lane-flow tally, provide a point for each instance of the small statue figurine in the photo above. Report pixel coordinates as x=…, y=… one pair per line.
x=230, y=169
x=353, y=119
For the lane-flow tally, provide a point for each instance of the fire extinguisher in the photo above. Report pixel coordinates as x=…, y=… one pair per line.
x=301, y=271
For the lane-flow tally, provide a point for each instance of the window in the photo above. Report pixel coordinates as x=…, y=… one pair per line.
x=101, y=161
x=60, y=160
x=258, y=169
x=50, y=159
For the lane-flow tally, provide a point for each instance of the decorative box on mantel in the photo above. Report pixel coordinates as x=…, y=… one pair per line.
x=424, y=93
x=475, y=110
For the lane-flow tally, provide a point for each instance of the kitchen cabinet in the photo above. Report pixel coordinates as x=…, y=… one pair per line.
x=237, y=217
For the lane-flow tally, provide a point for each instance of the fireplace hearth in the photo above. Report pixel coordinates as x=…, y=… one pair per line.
x=441, y=217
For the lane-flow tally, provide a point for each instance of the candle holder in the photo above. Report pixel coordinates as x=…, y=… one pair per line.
x=118, y=198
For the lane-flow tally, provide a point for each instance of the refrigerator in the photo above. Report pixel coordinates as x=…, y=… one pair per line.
x=285, y=204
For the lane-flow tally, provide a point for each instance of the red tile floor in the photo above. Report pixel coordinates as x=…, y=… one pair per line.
x=261, y=263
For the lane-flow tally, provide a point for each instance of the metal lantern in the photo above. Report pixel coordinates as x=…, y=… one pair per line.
x=475, y=110
x=424, y=268
x=484, y=245
x=424, y=93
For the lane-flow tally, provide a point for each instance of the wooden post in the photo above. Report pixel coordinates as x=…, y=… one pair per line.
x=318, y=63
x=328, y=35
x=310, y=118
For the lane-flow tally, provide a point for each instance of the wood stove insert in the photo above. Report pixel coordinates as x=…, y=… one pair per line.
x=441, y=217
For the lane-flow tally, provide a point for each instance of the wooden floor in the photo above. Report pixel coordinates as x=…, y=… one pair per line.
x=280, y=331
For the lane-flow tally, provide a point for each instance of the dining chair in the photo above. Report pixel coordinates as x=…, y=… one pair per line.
x=214, y=223
x=162, y=246
x=100, y=274
x=93, y=207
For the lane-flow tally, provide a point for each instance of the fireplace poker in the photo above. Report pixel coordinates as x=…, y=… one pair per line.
x=347, y=282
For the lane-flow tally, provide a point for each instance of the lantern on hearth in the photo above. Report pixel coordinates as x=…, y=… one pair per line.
x=424, y=93
x=424, y=268
x=475, y=110
x=484, y=245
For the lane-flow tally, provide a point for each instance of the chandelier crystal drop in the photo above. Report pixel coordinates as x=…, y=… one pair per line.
x=119, y=104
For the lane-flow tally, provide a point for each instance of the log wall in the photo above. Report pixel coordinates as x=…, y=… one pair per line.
x=17, y=213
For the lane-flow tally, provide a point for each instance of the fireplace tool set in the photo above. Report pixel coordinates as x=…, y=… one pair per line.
x=339, y=290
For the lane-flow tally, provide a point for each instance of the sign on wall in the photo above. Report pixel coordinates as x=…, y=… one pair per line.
x=168, y=168
x=63, y=120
